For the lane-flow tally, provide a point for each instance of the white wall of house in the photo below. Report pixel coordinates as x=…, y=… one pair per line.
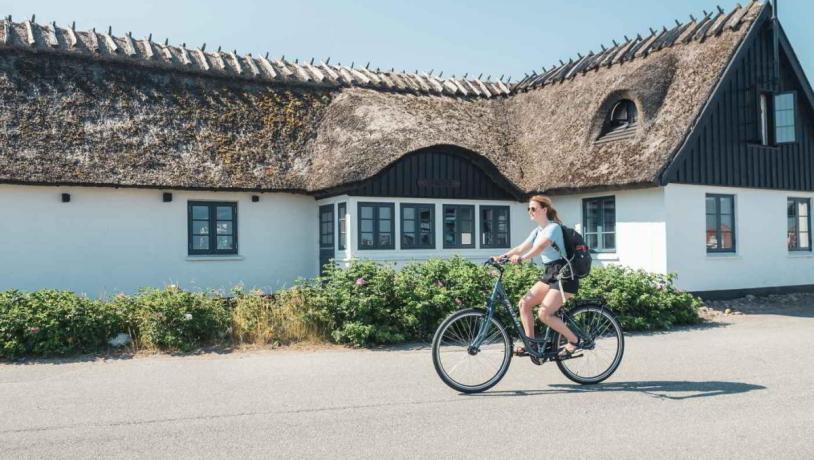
x=761, y=257
x=640, y=226
x=519, y=227
x=108, y=240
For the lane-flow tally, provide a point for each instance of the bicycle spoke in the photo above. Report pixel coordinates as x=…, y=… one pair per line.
x=480, y=366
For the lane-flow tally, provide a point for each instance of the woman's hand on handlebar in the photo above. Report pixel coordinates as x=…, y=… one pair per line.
x=515, y=259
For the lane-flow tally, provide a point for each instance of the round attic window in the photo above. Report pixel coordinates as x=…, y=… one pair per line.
x=623, y=113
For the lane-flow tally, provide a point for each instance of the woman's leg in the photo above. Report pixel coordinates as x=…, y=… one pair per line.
x=551, y=303
x=533, y=297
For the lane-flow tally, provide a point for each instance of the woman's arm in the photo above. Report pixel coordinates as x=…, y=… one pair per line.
x=517, y=250
x=534, y=252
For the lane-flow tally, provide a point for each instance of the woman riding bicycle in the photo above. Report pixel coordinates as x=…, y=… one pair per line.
x=545, y=292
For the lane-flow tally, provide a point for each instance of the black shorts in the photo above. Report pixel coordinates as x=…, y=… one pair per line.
x=550, y=272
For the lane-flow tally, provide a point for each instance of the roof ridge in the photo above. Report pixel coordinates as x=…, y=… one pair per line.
x=696, y=30
x=31, y=36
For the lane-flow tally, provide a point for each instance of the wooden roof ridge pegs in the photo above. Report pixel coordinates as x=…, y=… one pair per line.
x=202, y=57
x=129, y=46
x=51, y=35
x=148, y=47
x=252, y=66
x=7, y=30
x=185, y=59
x=264, y=61
x=720, y=10
x=109, y=42
x=71, y=33
x=29, y=32
x=94, y=41
x=236, y=62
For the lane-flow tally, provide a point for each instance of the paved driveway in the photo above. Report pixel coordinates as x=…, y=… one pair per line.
x=741, y=388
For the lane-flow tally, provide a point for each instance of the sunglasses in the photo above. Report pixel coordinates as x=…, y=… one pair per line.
x=532, y=209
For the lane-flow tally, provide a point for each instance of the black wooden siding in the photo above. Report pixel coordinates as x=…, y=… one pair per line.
x=445, y=172
x=725, y=148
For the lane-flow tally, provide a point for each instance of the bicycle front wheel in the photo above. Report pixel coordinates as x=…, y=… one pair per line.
x=460, y=365
x=605, y=347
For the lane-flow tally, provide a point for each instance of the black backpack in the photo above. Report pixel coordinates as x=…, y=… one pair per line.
x=577, y=252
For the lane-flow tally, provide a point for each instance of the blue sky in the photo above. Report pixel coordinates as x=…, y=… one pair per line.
x=457, y=37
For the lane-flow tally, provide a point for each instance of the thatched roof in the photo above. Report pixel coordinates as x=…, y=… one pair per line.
x=94, y=109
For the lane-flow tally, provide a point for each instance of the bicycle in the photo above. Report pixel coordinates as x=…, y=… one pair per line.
x=473, y=341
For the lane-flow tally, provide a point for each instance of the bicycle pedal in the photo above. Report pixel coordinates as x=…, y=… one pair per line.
x=566, y=358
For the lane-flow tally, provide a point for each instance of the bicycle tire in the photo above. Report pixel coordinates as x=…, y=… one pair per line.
x=568, y=366
x=460, y=324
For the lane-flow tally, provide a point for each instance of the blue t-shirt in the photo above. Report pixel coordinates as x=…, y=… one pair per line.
x=553, y=232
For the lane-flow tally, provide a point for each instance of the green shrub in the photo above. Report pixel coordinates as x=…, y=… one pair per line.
x=359, y=303
x=429, y=291
x=172, y=319
x=51, y=322
x=643, y=301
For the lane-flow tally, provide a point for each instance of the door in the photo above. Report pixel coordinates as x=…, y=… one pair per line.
x=326, y=235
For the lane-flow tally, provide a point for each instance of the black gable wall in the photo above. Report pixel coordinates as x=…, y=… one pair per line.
x=436, y=172
x=724, y=149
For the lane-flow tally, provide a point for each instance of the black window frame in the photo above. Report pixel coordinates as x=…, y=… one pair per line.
x=600, y=235
x=212, y=211
x=342, y=228
x=376, y=224
x=458, y=233
x=718, y=197
x=493, y=225
x=417, y=207
x=797, y=201
x=794, y=114
x=328, y=225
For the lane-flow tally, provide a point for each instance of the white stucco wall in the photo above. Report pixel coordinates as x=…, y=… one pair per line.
x=640, y=226
x=107, y=240
x=762, y=258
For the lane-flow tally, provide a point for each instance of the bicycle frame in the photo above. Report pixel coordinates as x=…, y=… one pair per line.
x=499, y=296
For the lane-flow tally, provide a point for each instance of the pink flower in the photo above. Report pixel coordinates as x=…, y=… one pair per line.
x=34, y=330
x=360, y=281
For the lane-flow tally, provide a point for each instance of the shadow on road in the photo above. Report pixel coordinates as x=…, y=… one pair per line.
x=676, y=390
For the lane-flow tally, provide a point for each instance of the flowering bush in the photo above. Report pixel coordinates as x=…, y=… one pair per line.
x=642, y=300
x=51, y=322
x=173, y=319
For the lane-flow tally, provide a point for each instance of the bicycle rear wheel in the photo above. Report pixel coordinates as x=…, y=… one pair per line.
x=462, y=367
x=605, y=347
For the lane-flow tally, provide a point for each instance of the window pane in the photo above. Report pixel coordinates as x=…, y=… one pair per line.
x=591, y=215
x=792, y=221
x=609, y=218
x=384, y=226
x=225, y=242
x=200, y=227
x=711, y=224
x=486, y=227
x=712, y=205
x=425, y=215
x=726, y=223
x=384, y=213
x=407, y=241
x=592, y=241
x=466, y=213
x=225, y=213
x=804, y=240
x=409, y=213
x=200, y=242
x=466, y=238
x=502, y=240
x=426, y=239
x=790, y=209
x=609, y=240
x=501, y=227
x=803, y=221
x=367, y=212
x=409, y=226
x=366, y=240
x=726, y=205
x=224, y=228
x=785, y=134
x=791, y=239
x=385, y=239
x=367, y=225
x=486, y=214
x=784, y=101
x=803, y=208
x=726, y=240
x=200, y=212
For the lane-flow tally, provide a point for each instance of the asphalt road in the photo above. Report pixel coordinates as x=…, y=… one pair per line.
x=741, y=388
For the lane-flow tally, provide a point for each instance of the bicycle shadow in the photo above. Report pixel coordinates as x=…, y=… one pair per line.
x=675, y=390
